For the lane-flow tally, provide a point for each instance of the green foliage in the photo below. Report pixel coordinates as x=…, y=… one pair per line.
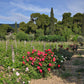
x=51, y=38
x=22, y=36
x=75, y=37
x=2, y=36
x=39, y=32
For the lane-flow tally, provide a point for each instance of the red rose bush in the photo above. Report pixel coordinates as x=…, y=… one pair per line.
x=42, y=62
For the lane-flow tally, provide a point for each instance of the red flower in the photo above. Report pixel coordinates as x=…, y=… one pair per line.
x=39, y=59
x=46, y=50
x=27, y=60
x=28, y=53
x=38, y=53
x=54, y=59
x=43, y=59
x=31, y=58
x=38, y=67
x=32, y=63
x=49, y=49
x=40, y=70
x=23, y=62
x=49, y=69
x=58, y=65
x=67, y=48
x=50, y=64
x=23, y=57
x=40, y=64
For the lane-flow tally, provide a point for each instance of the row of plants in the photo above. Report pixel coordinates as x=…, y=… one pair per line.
x=29, y=64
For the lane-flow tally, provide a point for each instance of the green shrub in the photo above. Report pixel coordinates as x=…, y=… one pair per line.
x=2, y=36
x=51, y=38
x=75, y=38
x=22, y=36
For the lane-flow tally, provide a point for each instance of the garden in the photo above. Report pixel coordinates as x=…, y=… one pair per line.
x=22, y=61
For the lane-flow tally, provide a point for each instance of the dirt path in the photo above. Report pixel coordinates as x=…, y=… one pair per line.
x=75, y=67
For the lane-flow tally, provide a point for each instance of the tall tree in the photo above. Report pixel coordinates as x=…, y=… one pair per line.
x=15, y=27
x=52, y=26
x=82, y=29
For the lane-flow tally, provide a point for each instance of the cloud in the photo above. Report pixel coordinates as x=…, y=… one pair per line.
x=30, y=7
x=15, y=17
x=76, y=6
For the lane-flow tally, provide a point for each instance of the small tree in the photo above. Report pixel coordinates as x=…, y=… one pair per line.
x=52, y=28
x=15, y=27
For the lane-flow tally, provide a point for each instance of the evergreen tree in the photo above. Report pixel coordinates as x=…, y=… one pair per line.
x=52, y=27
x=15, y=27
x=82, y=29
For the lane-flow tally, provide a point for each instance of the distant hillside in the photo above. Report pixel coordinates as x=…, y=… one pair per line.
x=12, y=25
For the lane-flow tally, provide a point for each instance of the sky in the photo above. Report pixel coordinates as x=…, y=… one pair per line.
x=20, y=10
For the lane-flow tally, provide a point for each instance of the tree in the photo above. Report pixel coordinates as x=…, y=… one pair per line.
x=82, y=29
x=52, y=26
x=23, y=26
x=15, y=27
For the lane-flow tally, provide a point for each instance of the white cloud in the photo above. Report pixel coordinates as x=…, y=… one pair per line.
x=15, y=17
x=30, y=7
x=76, y=6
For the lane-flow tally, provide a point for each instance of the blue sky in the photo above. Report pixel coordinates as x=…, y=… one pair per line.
x=20, y=10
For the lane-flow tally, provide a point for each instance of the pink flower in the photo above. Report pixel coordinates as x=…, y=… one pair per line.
x=38, y=53
x=43, y=59
x=40, y=64
x=31, y=58
x=52, y=55
x=38, y=67
x=49, y=49
x=32, y=52
x=58, y=65
x=39, y=59
x=50, y=64
x=40, y=70
x=49, y=69
x=27, y=60
x=23, y=57
x=28, y=53
x=27, y=69
x=23, y=62
x=32, y=63
x=54, y=59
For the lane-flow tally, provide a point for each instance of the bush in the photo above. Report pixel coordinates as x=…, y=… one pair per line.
x=21, y=36
x=75, y=38
x=2, y=36
x=51, y=38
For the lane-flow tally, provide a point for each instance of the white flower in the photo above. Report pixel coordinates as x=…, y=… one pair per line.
x=23, y=82
x=28, y=81
x=55, y=62
x=61, y=60
x=13, y=69
x=62, y=56
x=27, y=69
x=17, y=74
x=8, y=67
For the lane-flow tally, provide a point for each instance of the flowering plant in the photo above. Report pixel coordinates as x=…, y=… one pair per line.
x=42, y=62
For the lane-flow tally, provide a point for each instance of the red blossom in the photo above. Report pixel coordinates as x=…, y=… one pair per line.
x=23, y=62
x=50, y=64
x=28, y=53
x=43, y=59
x=49, y=69
x=39, y=59
x=58, y=65
x=54, y=59
x=32, y=63
x=23, y=57
x=31, y=58
x=40, y=64
x=38, y=67
x=40, y=70
x=49, y=49
x=27, y=60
